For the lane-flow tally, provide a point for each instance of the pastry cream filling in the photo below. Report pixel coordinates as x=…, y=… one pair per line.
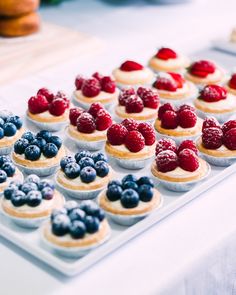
x=123, y=148
x=117, y=205
x=216, y=76
x=181, y=129
x=145, y=111
x=134, y=77
x=181, y=173
x=73, y=129
x=180, y=61
x=47, y=115
x=100, y=97
x=228, y=103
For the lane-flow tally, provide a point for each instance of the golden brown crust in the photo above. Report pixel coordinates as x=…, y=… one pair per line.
x=51, y=119
x=153, y=63
x=205, y=109
x=9, y=141
x=172, y=95
x=215, y=153
x=107, y=99
x=88, y=240
x=17, y=7
x=95, y=136
x=198, y=80
x=142, y=116
x=147, y=207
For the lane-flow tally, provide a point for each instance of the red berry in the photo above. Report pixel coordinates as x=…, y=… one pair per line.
x=165, y=107
x=210, y=122
x=212, y=93
x=116, y=134
x=187, y=119
x=149, y=97
x=148, y=132
x=169, y=120
x=232, y=81
x=97, y=76
x=186, y=107
x=202, y=68
x=79, y=80
x=103, y=120
x=134, y=141
x=179, y=79
x=38, y=104
x=164, y=83
x=47, y=93
x=61, y=94
x=228, y=125
x=230, y=139
x=124, y=94
x=95, y=108
x=86, y=123
x=130, y=124
x=188, y=144
x=129, y=66
x=166, y=161
x=91, y=87
x=134, y=104
x=108, y=85
x=212, y=138
x=74, y=115
x=188, y=160
x=166, y=144
x=58, y=107
x=166, y=53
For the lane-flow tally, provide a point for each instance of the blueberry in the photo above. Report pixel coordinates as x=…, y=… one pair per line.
x=115, y=182
x=18, y=199
x=85, y=162
x=92, y=224
x=4, y=159
x=114, y=192
x=1, y=133
x=28, y=186
x=129, y=198
x=20, y=146
x=70, y=205
x=16, y=120
x=129, y=177
x=77, y=229
x=40, y=142
x=46, y=183
x=44, y=134
x=50, y=150
x=101, y=168
x=66, y=160
x=9, y=191
x=1, y=122
x=9, y=129
x=29, y=136
x=92, y=209
x=72, y=170
x=77, y=214
x=56, y=212
x=56, y=140
x=99, y=157
x=145, y=193
x=3, y=176
x=88, y=174
x=32, y=178
x=32, y=153
x=81, y=155
x=60, y=225
x=145, y=180
x=130, y=184
x=16, y=183
x=33, y=198
x=9, y=168
x=47, y=193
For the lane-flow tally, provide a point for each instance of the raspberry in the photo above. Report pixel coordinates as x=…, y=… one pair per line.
x=108, y=85
x=38, y=104
x=134, y=141
x=95, y=108
x=166, y=53
x=165, y=107
x=58, y=107
x=103, y=120
x=150, y=98
x=134, y=104
x=188, y=144
x=97, y=76
x=129, y=66
x=130, y=124
x=228, y=125
x=212, y=138
x=148, y=132
x=186, y=107
x=47, y=93
x=230, y=139
x=116, y=134
x=232, y=81
x=74, y=115
x=202, y=68
x=188, y=160
x=210, y=122
x=212, y=93
x=187, y=119
x=166, y=144
x=163, y=83
x=79, y=80
x=86, y=123
x=91, y=87
x=124, y=95
x=166, y=161
x=179, y=79
x=169, y=120
x=61, y=94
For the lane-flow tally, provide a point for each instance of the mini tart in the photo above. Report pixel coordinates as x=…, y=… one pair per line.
x=132, y=78
x=171, y=65
x=221, y=152
x=216, y=78
x=77, y=135
x=17, y=176
x=147, y=114
x=9, y=141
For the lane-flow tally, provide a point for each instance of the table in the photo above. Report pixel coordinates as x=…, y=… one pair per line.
x=191, y=251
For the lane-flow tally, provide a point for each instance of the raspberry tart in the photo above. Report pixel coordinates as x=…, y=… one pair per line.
x=98, y=88
x=214, y=100
x=76, y=229
x=131, y=73
x=38, y=153
x=48, y=111
x=218, y=143
x=131, y=144
x=168, y=60
x=140, y=105
x=31, y=202
x=172, y=87
x=203, y=72
x=231, y=84
x=83, y=175
x=87, y=129
x=178, y=123
x=130, y=200
x=178, y=168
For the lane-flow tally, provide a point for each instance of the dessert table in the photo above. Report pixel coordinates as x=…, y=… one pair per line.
x=189, y=252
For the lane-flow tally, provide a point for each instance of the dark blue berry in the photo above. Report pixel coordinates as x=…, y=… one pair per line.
x=1, y=122
x=46, y=183
x=145, y=193
x=129, y=177
x=77, y=229
x=44, y=134
x=56, y=212
x=3, y=176
x=92, y=209
x=16, y=183
x=82, y=154
x=66, y=160
x=16, y=120
x=101, y=168
x=32, y=153
x=130, y=184
x=20, y=146
x=9, y=168
x=29, y=136
x=47, y=193
x=39, y=141
x=115, y=182
x=88, y=174
x=72, y=170
x=129, y=198
x=33, y=178
x=56, y=140
x=9, y=191
x=60, y=225
x=85, y=162
x=145, y=180
x=114, y=192
x=28, y=186
x=33, y=198
x=99, y=157
x=4, y=159
x=50, y=150
x=18, y=199
x=9, y=129
x=1, y=133
x=92, y=224
x=70, y=205
x=77, y=214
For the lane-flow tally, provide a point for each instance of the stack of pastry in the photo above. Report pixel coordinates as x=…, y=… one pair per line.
x=18, y=18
